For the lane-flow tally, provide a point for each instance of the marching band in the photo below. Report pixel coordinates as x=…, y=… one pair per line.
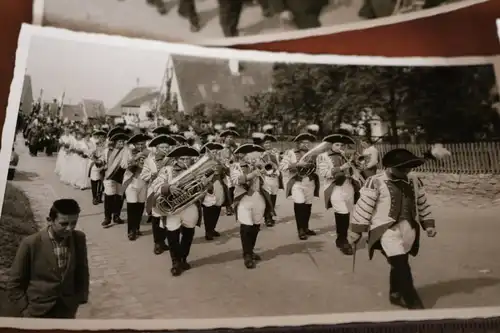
x=182, y=181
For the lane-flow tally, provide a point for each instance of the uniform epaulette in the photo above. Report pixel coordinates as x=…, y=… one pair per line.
x=371, y=182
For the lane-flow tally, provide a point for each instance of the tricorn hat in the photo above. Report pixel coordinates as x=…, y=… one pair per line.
x=161, y=130
x=184, y=151
x=209, y=146
x=269, y=137
x=115, y=130
x=268, y=129
x=99, y=133
x=248, y=148
x=258, y=138
x=138, y=138
x=180, y=139
x=401, y=158
x=339, y=138
x=225, y=133
x=119, y=137
x=304, y=137
x=162, y=139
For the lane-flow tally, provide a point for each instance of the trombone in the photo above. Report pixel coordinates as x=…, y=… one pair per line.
x=354, y=162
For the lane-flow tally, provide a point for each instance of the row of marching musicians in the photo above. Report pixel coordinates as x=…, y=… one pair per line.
x=179, y=186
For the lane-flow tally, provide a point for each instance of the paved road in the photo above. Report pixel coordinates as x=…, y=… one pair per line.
x=137, y=19
x=458, y=268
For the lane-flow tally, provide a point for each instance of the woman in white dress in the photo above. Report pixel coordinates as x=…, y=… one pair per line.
x=61, y=155
x=69, y=163
x=82, y=181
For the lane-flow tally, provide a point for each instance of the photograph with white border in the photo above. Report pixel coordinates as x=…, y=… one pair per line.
x=150, y=180
x=231, y=22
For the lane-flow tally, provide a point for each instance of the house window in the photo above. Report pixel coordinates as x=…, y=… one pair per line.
x=201, y=89
x=215, y=87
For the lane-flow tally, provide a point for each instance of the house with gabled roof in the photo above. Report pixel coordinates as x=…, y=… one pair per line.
x=93, y=109
x=136, y=103
x=193, y=81
x=72, y=112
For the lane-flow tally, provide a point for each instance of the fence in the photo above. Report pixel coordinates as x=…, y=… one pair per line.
x=466, y=158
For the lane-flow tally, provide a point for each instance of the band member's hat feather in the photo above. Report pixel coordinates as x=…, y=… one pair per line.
x=174, y=128
x=99, y=133
x=163, y=138
x=312, y=129
x=226, y=133
x=115, y=130
x=161, y=130
x=211, y=138
x=248, y=148
x=437, y=152
x=218, y=127
x=258, y=138
x=210, y=146
x=339, y=138
x=401, y=158
x=179, y=138
x=189, y=134
x=230, y=125
x=119, y=137
x=268, y=129
x=304, y=137
x=269, y=137
x=138, y=138
x=184, y=151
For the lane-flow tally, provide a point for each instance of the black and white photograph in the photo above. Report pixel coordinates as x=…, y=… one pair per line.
x=160, y=181
x=222, y=21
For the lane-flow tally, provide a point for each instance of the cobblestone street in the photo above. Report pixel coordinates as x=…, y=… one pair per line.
x=459, y=268
x=135, y=18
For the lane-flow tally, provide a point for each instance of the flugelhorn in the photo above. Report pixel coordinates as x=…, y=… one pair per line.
x=352, y=162
x=306, y=166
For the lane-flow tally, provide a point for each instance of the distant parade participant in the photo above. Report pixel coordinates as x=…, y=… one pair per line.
x=340, y=187
x=273, y=179
x=82, y=162
x=216, y=196
x=227, y=137
x=66, y=174
x=229, y=16
x=152, y=166
x=180, y=227
x=134, y=187
x=371, y=158
x=63, y=151
x=35, y=139
x=250, y=200
x=187, y=10
x=96, y=168
x=302, y=188
x=392, y=208
x=113, y=177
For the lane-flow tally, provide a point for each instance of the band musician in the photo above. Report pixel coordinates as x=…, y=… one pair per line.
x=180, y=227
x=392, y=208
x=371, y=158
x=302, y=188
x=250, y=199
x=113, y=177
x=227, y=155
x=340, y=187
x=96, y=169
x=134, y=187
x=162, y=145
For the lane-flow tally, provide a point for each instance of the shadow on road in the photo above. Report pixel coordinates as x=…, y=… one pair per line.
x=432, y=292
x=283, y=250
x=207, y=16
x=24, y=176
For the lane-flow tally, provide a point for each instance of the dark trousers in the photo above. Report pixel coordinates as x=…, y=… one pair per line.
x=401, y=281
x=159, y=234
x=306, y=13
x=113, y=205
x=268, y=214
x=248, y=236
x=302, y=214
x=33, y=149
x=342, y=228
x=97, y=187
x=135, y=210
x=229, y=16
x=180, y=242
x=59, y=311
x=187, y=9
x=210, y=217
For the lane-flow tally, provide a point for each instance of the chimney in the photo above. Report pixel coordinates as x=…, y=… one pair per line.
x=234, y=66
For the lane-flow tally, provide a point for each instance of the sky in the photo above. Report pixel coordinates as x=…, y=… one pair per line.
x=90, y=70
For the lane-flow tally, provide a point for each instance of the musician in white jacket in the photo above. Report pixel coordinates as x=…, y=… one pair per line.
x=96, y=166
x=153, y=164
x=180, y=227
x=250, y=200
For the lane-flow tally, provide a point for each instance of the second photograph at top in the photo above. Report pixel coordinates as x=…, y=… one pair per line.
x=204, y=21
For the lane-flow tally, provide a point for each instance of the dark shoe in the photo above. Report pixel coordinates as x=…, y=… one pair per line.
x=132, y=236
x=229, y=211
x=310, y=232
x=118, y=220
x=158, y=249
x=95, y=202
x=302, y=235
x=416, y=304
x=216, y=233
x=106, y=223
x=176, y=270
x=347, y=249
x=165, y=247
x=185, y=265
x=161, y=8
x=194, y=27
x=397, y=300
x=256, y=257
x=269, y=223
x=209, y=237
x=100, y=201
x=138, y=233
x=249, y=262
x=150, y=218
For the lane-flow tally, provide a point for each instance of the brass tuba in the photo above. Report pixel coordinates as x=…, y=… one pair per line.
x=306, y=166
x=193, y=182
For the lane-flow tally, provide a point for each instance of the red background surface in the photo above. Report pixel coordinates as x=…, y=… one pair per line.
x=466, y=32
